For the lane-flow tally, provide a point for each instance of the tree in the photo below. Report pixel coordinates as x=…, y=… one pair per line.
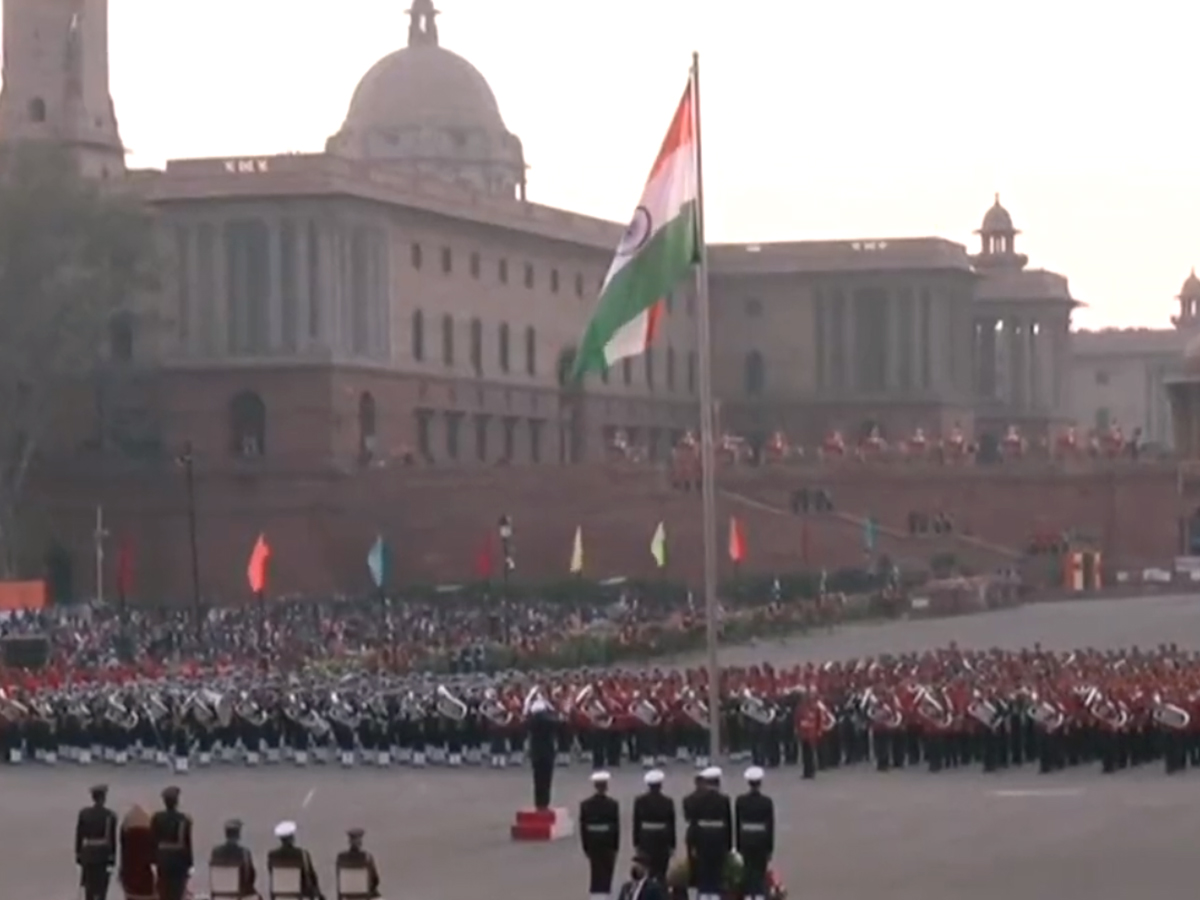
x=75, y=258
x=570, y=396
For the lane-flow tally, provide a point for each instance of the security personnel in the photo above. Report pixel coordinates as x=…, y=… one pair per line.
x=710, y=837
x=288, y=856
x=357, y=858
x=600, y=834
x=171, y=831
x=96, y=845
x=699, y=787
x=754, y=826
x=231, y=853
x=642, y=885
x=654, y=826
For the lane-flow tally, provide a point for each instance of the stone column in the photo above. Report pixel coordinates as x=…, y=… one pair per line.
x=384, y=297
x=303, y=300
x=1033, y=342
x=917, y=348
x=274, y=285
x=221, y=313
x=1016, y=364
x=189, y=285
x=331, y=281
x=850, y=360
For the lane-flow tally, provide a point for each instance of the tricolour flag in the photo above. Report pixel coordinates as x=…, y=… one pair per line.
x=658, y=545
x=660, y=245
x=577, y=552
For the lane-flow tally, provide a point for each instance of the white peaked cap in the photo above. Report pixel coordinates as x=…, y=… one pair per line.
x=655, y=776
x=538, y=706
x=712, y=773
x=754, y=774
x=285, y=829
x=600, y=777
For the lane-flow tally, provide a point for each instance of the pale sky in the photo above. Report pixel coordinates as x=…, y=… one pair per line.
x=821, y=119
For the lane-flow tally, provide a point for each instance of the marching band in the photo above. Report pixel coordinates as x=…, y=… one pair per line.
x=941, y=709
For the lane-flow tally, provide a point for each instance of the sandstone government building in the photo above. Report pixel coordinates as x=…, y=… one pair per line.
x=398, y=297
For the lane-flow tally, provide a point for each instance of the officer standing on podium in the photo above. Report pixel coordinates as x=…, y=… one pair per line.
x=754, y=825
x=96, y=845
x=600, y=834
x=654, y=826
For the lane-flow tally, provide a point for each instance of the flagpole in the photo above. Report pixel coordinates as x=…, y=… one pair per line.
x=99, y=534
x=708, y=489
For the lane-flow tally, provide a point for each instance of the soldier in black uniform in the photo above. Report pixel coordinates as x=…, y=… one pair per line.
x=171, y=831
x=96, y=845
x=754, y=826
x=231, y=853
x=600, y=834
x=357, y=858
x=654, y=826
x=288, y=856
x=699, y=787
x=710, y=837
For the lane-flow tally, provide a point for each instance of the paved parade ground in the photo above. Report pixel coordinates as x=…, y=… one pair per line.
x=441, y=835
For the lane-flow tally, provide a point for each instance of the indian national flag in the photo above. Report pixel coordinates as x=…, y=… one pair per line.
x=659, y=247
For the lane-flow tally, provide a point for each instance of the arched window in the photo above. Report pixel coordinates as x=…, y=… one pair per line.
x=366, y=426
x=756, y=374
x=37, y=110
x=120, y=338
x=418, y=335
x=503, y=347
x=530, y=351
x=247, y=425
x=477, y=346
x=448, y=339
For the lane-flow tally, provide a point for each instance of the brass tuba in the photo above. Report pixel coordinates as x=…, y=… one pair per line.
x=589, y=702
x=493, y=709
x=696, y=709
x=755, y=708
x=450, y=706
x=645, y=711
x=1168, y=715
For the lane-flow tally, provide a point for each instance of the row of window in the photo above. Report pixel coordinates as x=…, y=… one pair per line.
x=453, y=423
x=475, y=268
x=476, y=344
x=649, y=367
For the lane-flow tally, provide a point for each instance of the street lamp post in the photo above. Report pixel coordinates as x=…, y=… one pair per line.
x=187, y=460
x=505, y=529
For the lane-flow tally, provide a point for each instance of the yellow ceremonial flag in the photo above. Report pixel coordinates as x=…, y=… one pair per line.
x=658, y=545
x=577, y=552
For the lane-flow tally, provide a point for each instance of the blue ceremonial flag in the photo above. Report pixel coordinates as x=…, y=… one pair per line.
x=379, y=561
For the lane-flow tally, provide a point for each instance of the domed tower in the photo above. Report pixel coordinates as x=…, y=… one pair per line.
x=428, y=111
x=1189, y=303
x=997, y=239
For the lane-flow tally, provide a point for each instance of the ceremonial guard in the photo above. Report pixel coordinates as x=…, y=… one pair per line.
x=230, y=854
x=96, y=845
x=171, y=831
x=359, y=861
x=287, y=856
x=754, y=826
x=600, y=834
x=642, y=883
x=654, y=826
x=710, y=837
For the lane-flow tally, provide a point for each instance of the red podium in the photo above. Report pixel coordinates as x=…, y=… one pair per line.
x=543, y=824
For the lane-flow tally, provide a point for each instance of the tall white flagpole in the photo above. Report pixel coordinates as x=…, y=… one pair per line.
x=708, y=489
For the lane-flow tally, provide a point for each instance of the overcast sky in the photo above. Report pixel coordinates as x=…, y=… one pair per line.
x=857, y=118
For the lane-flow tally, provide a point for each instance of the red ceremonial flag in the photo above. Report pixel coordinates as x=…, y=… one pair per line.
x=483, y=560
x=256, y=571
x=125, y=568
x=737, y=545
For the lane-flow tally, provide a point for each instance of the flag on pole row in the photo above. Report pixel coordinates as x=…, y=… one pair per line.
x=379, y=562
x=256, y=570
x=737, y=542
x=658, y=545
x=577, y=552
x=658, y=249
